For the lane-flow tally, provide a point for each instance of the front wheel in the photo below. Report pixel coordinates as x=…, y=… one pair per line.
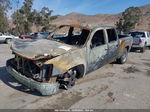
x=123, y=58
x=68, y=80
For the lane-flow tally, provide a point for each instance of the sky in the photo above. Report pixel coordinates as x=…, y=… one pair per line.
x=89, y=7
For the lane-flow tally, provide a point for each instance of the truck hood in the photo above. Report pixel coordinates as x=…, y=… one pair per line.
x=38, y=48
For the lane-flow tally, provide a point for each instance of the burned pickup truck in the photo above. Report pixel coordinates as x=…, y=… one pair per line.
x=69, y=53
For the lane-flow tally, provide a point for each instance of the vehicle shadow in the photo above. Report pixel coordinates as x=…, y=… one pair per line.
x=135, y=51
x=2, y=43
x=13, y=83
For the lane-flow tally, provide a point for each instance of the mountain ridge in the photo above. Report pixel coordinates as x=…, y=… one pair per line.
x=76, y=18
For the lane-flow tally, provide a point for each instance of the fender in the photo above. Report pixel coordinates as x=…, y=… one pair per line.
x=63, y=63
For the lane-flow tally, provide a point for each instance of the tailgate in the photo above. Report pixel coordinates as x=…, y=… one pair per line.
x=136, y=41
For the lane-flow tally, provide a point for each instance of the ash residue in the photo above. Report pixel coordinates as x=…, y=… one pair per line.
x=131, y=69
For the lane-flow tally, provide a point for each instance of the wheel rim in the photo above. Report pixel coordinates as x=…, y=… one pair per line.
x=124, y=57
x=71, y=81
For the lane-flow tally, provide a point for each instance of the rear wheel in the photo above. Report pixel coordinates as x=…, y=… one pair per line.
x=142, y=50
x=123, y=58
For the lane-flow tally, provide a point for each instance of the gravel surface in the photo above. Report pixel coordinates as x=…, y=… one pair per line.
x=113, y=86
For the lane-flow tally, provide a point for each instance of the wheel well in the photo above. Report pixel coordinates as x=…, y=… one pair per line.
x=80, y=70
x=8, y=38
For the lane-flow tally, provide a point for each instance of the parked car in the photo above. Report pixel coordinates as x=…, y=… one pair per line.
x=40, y=35
x=141, y=40
x=49, y=64
x=4, y=38
x=26, y=36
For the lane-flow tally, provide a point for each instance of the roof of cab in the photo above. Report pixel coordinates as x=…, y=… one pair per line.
x=89, y=26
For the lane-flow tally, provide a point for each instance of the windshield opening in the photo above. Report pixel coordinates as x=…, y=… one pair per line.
x=71, y=35
x=135, y=34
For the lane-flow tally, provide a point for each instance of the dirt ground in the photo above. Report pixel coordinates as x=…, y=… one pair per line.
x=113, y=86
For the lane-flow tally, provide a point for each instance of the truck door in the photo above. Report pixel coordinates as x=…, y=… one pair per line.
x=97, y=54
x=113, y=44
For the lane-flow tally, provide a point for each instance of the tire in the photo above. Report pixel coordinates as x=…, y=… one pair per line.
x=7, y=40
x=142, y=50
x=123, y=58
x=71, y=80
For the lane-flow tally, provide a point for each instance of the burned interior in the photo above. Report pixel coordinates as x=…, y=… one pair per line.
x=71, y=34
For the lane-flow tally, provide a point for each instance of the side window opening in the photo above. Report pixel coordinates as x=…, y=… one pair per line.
x=61, y=32
x=98, y=38
x=111, y=35
x=77, y=31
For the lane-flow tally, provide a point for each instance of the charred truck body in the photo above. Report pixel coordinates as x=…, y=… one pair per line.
x=69, y=53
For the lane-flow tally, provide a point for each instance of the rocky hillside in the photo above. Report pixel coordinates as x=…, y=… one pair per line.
x=74, y=18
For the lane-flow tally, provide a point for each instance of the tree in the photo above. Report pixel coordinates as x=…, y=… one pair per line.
x=21, y=18
x=3, y=21
x=19, y=21
x=46, y=18
x=43, y=18
x=129, y=19
x=26, y=8
x=119, y=25
x=4, y=6
x=24, y=18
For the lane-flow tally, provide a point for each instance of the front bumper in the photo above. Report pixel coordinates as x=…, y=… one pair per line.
x=43, y=88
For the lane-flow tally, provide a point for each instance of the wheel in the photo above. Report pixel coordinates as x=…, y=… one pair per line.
x=7, y=40
x=142, y=50
x=69, y=79
x=123, y=58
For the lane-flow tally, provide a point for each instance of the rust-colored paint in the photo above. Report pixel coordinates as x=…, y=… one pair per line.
x=68, y=61
x=33, y=59
x=122, y=45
